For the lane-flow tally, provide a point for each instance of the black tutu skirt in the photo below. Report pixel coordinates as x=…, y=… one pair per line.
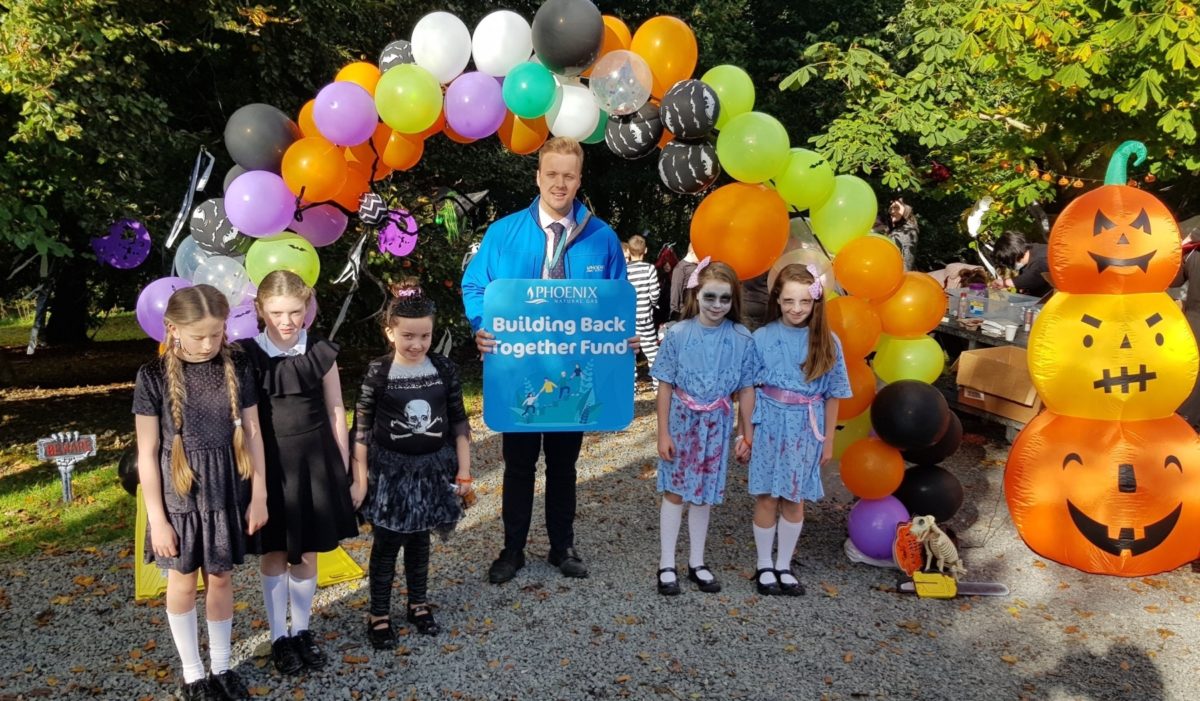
x=412, y=493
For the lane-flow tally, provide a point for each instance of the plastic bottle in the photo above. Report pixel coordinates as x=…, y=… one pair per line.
x=962, y=305
x=977, y=299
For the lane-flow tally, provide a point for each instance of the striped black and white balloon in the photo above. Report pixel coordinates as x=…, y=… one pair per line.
x=688, y=168
x=635, y=135
x=690, y=109
x=394, y=54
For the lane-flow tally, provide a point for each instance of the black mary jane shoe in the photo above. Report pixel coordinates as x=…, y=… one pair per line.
x=708, y=586
x=381, y=635
x=787, y=589
x=421, y=616
x=198, y=690
x=310, y=652
x=285, y=657
x=228, y=685
x=772, y=589
x=670, y=588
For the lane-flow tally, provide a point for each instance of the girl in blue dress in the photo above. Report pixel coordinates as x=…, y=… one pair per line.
x=704, y=360
x=803, y=374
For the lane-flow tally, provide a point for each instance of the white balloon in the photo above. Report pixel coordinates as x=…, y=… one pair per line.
x=502, y=41
x=188, y=257
x=441, y=44
x=226, y=274
x=574, y=113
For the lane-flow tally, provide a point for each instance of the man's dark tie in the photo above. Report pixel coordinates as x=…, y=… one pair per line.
x=558, y=270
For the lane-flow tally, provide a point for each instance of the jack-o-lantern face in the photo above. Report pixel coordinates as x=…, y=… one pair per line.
x=1107, y=497
x=1115, y=357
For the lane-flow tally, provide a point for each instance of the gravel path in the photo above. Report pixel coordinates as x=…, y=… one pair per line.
x=70, y=628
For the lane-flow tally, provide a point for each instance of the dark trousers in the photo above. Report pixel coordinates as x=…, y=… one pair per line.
x=520, y=468
x=385, y=546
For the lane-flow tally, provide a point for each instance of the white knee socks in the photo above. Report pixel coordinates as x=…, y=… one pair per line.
x=697, y=534
x=764, y=539
x=187, y=643
x=301, y=592
x=275, y=596
x=670, y=517
x=789, y=533
x=220, y=644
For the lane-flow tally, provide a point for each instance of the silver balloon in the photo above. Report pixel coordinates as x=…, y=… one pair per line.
x=188, y=257
x=621, y=81
x=226, y=274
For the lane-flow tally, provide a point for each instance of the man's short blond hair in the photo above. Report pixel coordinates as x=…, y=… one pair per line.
x=637, y=246
x=563, y=145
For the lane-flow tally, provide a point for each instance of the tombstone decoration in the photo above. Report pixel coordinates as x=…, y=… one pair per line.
x=213, y=232
x=399, y=233
x=688, y=168
x=394, y=54
x=690, y=109
x=635, y=135
x=125, y=246
x=66, y=449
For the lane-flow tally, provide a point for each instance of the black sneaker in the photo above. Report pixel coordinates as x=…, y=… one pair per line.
x=310, y=653
x=285, y=657
x=228, y=685
x=505, y=567
x=198, y=690
x=569, y=563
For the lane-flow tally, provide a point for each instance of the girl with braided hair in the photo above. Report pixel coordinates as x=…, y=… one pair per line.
x=200, y=462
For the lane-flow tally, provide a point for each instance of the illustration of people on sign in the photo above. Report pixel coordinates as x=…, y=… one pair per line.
x=569, y=400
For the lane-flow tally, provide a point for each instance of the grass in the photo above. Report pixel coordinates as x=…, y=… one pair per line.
x=117, y=326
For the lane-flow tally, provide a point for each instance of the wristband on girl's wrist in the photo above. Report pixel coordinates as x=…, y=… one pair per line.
x=463, y=480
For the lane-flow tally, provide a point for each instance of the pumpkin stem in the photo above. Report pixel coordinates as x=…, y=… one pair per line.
x=1118, y=167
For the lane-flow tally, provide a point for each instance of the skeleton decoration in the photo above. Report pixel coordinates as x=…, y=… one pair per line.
x=418, y=421
x=937, y=545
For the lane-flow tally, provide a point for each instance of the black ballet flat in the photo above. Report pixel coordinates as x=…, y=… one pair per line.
x=668, y=588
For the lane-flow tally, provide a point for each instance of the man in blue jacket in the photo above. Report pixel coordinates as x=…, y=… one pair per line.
x=555, y=238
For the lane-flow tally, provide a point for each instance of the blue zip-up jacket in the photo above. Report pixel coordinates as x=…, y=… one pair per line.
x=515, y=248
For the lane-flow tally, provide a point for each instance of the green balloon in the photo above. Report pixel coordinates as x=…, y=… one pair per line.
x=734, y=89
x=908, y=359
x=848, y=213
x=851, y=432
x=286, y=251
x=408, y=98
x=807, y=180
x=529, y=90
x=598, y=135
x=753, y=147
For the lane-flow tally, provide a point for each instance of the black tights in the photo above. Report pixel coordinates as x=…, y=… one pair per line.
x=384, y=549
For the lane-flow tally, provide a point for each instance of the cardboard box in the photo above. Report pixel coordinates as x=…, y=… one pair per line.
x=996, y=380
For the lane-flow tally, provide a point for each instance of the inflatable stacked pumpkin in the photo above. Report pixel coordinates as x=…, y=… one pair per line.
x=1107, y=480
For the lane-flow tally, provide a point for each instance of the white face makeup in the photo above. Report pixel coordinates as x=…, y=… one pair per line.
x=795, y=303
x=411, y=338
x=284, y=317
x=715, y=299
x=199, y=341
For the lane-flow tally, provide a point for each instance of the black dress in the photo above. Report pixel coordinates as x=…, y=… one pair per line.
x=308, y=488
x=209, y=521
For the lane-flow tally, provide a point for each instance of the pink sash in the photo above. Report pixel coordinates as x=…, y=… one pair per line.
x=696, y=405
x=787, y=396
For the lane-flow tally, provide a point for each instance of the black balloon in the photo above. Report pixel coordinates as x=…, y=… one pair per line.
x=394, y=54
x=567, y=35
x=946, y=446
x=690, y=109
x=257, y=135
x=909, y=414
x=688, y=168
x=634, y=135
x=213, y=232
x=929, y=490
x=127, y=470
x=231, y=175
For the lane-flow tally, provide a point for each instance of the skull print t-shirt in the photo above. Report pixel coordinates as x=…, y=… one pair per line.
x=411, y=415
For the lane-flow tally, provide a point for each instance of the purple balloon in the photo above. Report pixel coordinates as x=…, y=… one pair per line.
x=259, y=203
x=126, y=245
x=399, y=236
x=475, y=105
x=345, y=113
x=872, y=524
x=321, y=225
x=242, y=322
x=310, y=312
x=152, y=304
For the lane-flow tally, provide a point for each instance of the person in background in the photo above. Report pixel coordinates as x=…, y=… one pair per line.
x=902, y=228
x=1011, y=250
x=679, y=277
x=645, y=284
x=959, y=275
x=1189, y=272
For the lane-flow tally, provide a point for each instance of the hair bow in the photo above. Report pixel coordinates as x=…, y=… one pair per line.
x=694, y=281
x=815, y=290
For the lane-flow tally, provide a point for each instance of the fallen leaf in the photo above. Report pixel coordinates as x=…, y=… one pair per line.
x=298, y=694
x=848, y=657
x=1009, y=659
x=260, y=691
x=622, y=679
x=242, y=606
x=1039, y=564
x=1164, y=633
x=451, y=647
x=1071, y=630
x=830, y=590
x=62, y=600
x=150, y=645
x=84, y=580
x=355, y=659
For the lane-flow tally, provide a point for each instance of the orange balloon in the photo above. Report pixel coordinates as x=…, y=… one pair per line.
x=913, y=310
x=357, y=182
x=360, y=73
x=403, y=151
x=669, y=46
x=666, y=138
x=743, y=225
x=523, y=136
x=371, y=152
x=872, y=469
x=455, y=136
x=308, y=127
x=436, y=128
x=870, y=267
x=314, y=169
x=616, y=36
x=856, y=324
x=862, y=388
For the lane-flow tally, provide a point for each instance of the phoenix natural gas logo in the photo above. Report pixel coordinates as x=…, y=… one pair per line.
x=563, y=294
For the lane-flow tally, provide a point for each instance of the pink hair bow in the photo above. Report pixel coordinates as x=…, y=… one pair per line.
x=815, y=290
x=694, y=281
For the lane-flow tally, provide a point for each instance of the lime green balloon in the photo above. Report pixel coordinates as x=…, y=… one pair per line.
x=807, y=180
x=848, y=213
x=753, y=147
x=529, y=90
x=598, y=135
x=734, y=89
x=408, y=98
x=285, y=251
x=908, y=359
x=850, y=432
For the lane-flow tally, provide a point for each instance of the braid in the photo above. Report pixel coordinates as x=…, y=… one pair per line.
x=181, y=471
x=245, y=469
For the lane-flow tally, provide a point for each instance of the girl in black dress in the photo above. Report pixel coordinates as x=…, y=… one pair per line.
x=200, y=462
x=306, y=446
x=412, y=458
